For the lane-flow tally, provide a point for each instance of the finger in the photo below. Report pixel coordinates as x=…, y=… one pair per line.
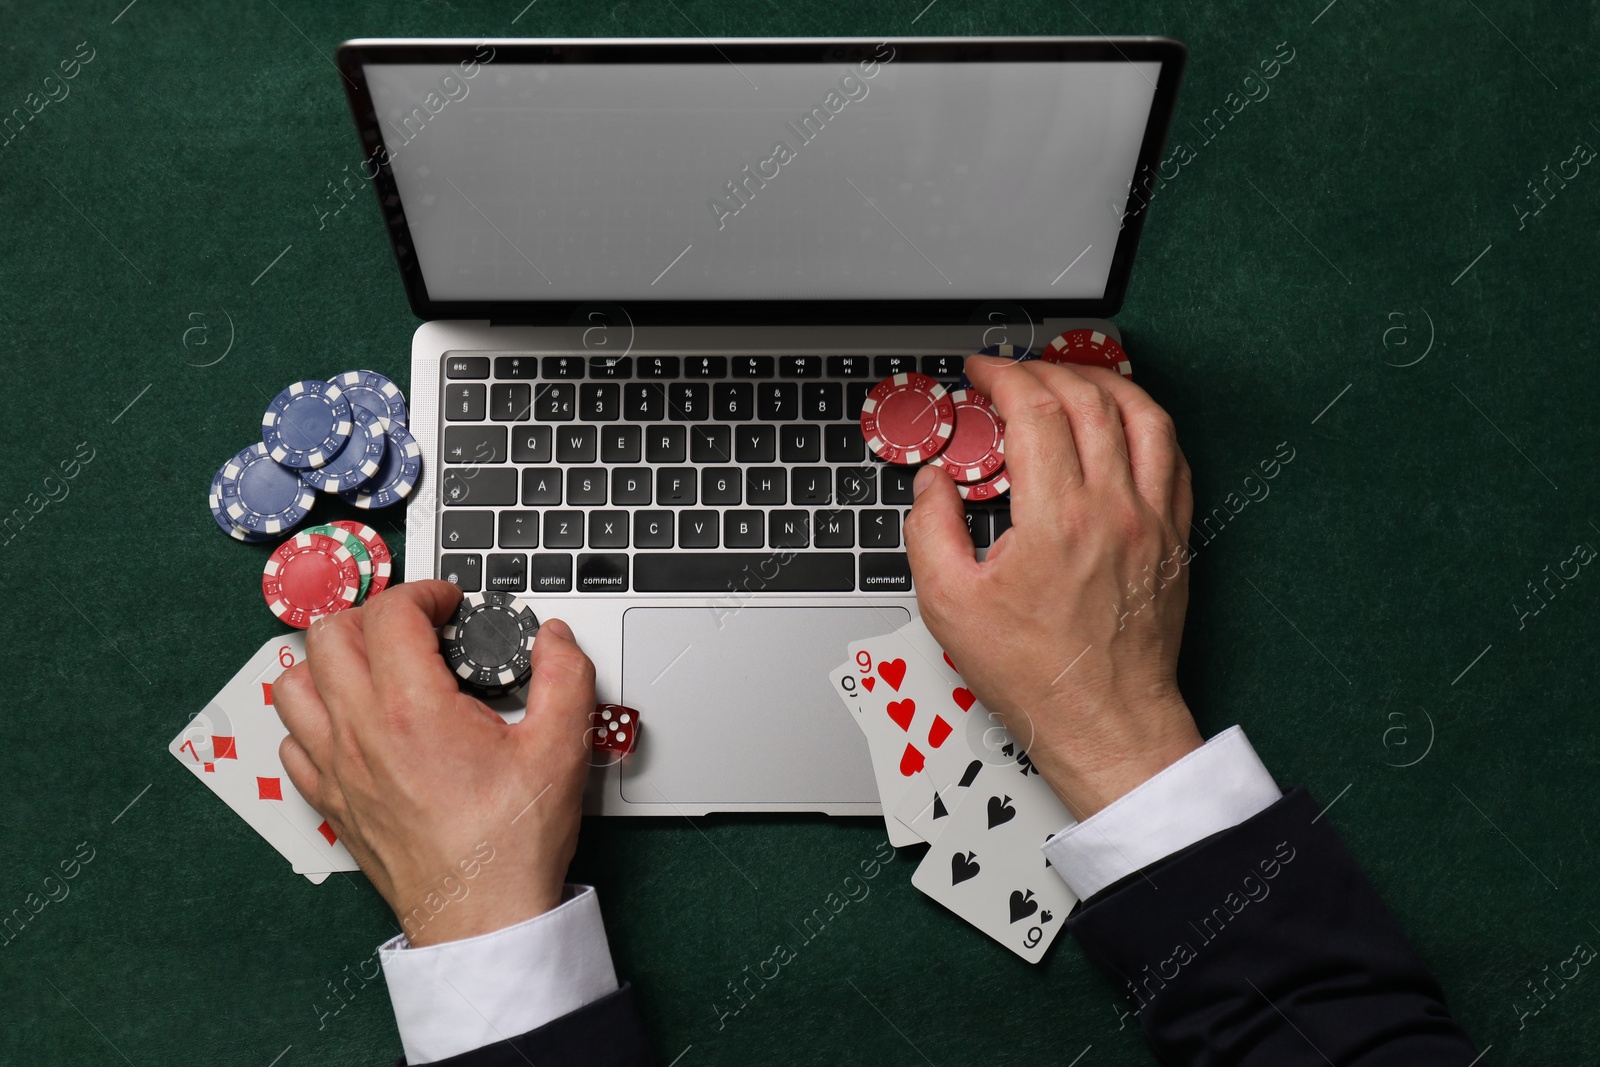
x=302, y=771
x=1041, y=460
x=1183, y=498
x=1151, y=438
x=560, y=701
x=1097, y=430
x=402, y=647
x=937, y=539
x=303, y=713
x=336, y=652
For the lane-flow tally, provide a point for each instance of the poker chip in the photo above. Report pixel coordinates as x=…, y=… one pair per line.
x=1088, y=348
x=1013, y=352
x=261, y=496
x=371, y=390
x=357, y=549
x=377, y=548
x=977, y=448
x=397, y=473
x=907, y=418
x=354, y=464
x=995, y=485
x=488, y=643
x=309, y=576
x=225, y=524
x=306, y=424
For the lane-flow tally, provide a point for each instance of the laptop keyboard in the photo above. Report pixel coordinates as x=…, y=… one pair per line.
x=674, y=473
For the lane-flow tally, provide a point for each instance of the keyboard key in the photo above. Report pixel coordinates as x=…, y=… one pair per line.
x=611, y=367
x=465, y=403
x=479, y=486
x=586, y=486
x=1002, y=521
x=602, y=573
x=705, y=367
x=822, y=401
x=697, y=529
x=576, y=444
x=800, y=444
x=755, y=444
x=675, y=485
x=843, y=443
x=778, y=402
x=789, y=529
x=753, y=366
x=721, y=572
x=474, y=444
x=944, y=368
x=466, y=367
x=555, y=403
x=849, y=367
x=643, y=402
x=658, y=366
x=896, y=484
x=519, y=529
x=607, y=529
x=880, y=529
x=520, y=367
x=800, y=366
x=510, y=402
x=835, y=529
x=563, y=529
x=710, y=444
x=600, y=402
x=665, y=444
x=885, y=571
x=465, y=570
x=630, y=485
x=541, y=485
x=978, y=527
x=531, y=444
x=856, y=485
x=550, y=572
x=733, y=401
x=688, y=401
x=742, y=529
x=562, y=366
x=810, y=485
x=507, y=572
x=884, y=366
x=621, y=444
x=766, y=485
x=652, y=529
x=721, y=485
x=467, y=529
x=855, y=394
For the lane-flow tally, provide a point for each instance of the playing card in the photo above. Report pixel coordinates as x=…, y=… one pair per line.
x=986, y=865
x=926, y=808
x=844, y=679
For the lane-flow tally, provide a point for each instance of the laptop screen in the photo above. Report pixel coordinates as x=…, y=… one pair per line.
x=876, y=178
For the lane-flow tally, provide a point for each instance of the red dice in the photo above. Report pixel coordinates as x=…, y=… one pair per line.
x=614, y=728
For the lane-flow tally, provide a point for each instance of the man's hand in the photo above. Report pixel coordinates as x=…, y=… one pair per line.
x=1069, y=630
x=421, y=781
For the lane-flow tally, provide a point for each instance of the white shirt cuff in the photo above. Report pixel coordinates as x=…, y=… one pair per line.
x=1218, y=785
x=456, y=996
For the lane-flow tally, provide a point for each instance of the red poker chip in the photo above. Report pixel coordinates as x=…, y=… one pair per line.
x=907, y=418
x=977, y=448
x=995, y=485
x=1088, y=348
x=309, y=576
x=377, y=548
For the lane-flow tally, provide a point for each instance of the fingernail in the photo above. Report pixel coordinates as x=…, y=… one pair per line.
x=921, y=482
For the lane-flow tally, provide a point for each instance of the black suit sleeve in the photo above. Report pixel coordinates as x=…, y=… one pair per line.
x=607, y=1033
x=1265, y=946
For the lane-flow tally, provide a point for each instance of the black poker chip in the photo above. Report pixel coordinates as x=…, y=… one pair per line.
x=488, y=643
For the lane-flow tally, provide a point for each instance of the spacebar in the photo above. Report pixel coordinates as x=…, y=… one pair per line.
x=743, y=572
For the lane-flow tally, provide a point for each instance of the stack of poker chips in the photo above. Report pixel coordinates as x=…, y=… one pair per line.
x=488, y=643
x=346, y=437
x=910, y=419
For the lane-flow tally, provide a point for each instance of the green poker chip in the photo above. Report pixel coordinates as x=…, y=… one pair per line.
x=353, y=543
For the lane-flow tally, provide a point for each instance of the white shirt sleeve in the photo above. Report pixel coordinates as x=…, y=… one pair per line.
x=456, y=996
x=1218, y=785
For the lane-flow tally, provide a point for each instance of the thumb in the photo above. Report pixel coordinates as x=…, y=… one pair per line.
x=560, y=696
x=937, y=540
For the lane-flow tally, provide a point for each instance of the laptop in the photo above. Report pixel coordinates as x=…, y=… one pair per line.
x=657, y=279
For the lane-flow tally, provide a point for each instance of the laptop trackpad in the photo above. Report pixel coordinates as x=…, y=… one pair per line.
x=737, y=708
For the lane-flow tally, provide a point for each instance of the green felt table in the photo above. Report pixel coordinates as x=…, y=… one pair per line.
x=1366, y=607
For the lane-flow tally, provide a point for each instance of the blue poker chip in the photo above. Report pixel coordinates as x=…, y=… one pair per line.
x=261, y=496
x=225, y=524
x=397, y=474
x=306, y=424
x=371, y=390
x=1016, y=352
x=358, y=460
